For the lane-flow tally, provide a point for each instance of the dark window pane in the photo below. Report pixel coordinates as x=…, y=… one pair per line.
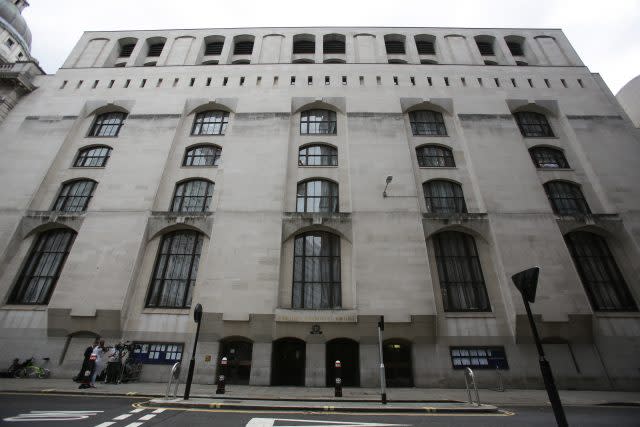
x=202, y=155
x=333, y=46
x=243, y=48
x=444, y=197
x=317, y=196
x=566, y=198
x=192, y=196
x=126, y=50
x=304, y=46
x=155, y=49
x=210, y=123
x=428, y=123
x=92, y=157
x=318, y=122
x=213, y=48
x=515, y=48
x=533, y=124
x=426, y=48
x=394, y=47
x=485, y=48
x=546, y=157
x=435, y=156
x=318, y=155
x=316, y=272
x=74, y=196
x=107, y=124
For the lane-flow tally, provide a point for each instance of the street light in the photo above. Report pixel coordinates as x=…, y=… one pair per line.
x=388, y=181
x=527, y=281
x=197, y=317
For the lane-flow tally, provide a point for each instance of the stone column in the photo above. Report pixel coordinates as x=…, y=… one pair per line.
x=315, y=365
x=261, y=364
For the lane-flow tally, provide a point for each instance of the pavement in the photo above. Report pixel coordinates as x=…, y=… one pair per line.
x=321, y=399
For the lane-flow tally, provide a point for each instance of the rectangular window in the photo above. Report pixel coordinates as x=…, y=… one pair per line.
x=243, y=48
x=111, y=84
x=564, y=82
x=412, y=80
x=530, y=82
x=513, y=82
x=446, y=81
x=275, y=80
x=159, y=83
x=327, y=80
x=309, y=80
x=429, y=81
x=155, y=353
x=126, y=50
x=241, y=81
x=426, y=48
x=463, y=81
x=225, y=81
x=395, y=80
x=497, y=81
x=208, y=81
x=155, y=50
x=580, y=83
x=478, y=358
x=344, y=80
x=293, y=80
x=361, y=80
x=192, y=81
x=214, y=48
x=143, y=82
x=79, y=84
x=95, y=84
x=378, y=80
x=515, y=48
x=127, y=83
x=258, y=80
x=546, y=81
x=64, y=83
x=485, y=48
x=175, y=82
x=394, y=47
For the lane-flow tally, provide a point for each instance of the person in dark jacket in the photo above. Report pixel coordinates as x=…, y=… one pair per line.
x=85, y=361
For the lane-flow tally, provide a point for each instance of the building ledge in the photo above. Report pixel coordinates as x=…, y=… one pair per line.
x=316, y=316
x=21, y=74
x=455, y=218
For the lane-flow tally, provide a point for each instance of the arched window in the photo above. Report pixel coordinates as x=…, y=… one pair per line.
x=92, y=157
x=193, y=195
x=316, y=271
x=304, y=43
x=548, y=158
x=566, y=198
x=41, y=271
x=74, y=196
x=533, y=125
x=435, y=156
x=600, y=275
x=202, y=155
x=318, y=122
x=427, y=122
x=333, y=44
x=461, y=280
x=318, y=155
x=107, y=124
x=176, y=267
x=444, y=197
x=210, y=123
x=317, y=195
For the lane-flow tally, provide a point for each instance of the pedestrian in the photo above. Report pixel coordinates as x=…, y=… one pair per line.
x=85, y=361
x=100, y=360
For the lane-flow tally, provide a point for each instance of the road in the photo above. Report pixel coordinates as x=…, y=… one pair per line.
x=91, y=411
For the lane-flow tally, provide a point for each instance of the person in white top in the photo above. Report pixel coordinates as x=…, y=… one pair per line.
x=99, y=352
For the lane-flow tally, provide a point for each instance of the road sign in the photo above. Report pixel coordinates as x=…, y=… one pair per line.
x=527, y=281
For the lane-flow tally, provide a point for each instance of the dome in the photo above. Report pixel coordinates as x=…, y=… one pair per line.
x=12, y=20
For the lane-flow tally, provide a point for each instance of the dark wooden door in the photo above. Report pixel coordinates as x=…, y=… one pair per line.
x=288, y=362
x=238, y=354
x=397, y=363
x=348, y=353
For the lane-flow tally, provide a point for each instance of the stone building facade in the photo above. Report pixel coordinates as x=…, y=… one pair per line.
x=301, y=182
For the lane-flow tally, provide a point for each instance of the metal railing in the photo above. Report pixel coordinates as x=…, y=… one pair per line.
x=469, y=379
x=173, y=376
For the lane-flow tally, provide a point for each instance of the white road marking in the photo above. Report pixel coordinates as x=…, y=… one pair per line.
x=133, y=424
x=268, y=422
x=146, y=417
x=106, y=424
x=135, y=411
x=52, y=416
x=159, y=411
x=122, y=417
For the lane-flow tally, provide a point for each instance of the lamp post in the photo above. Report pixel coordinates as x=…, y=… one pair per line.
x=527, y=281
x=197, y=317
x=383, y=381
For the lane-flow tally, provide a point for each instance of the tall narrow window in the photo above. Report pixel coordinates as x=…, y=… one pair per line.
x=533, y=124
x=444, y=197
x=548, y=158
x=317, y=155
x=316, y=271
x=202, y=155
x=600, y=275
x=566, y=198
x=175, y=271
x=92, y=157
x=41, y=271
x=210, y=123
x=317, y=196
x=435, y=156
x=318, y=122
x=461, y=280
x=107, y=124
x=74, y=196
x=193, y=195
x=427, y=123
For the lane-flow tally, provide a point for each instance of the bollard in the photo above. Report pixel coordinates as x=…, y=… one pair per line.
x=222, y=376
x=338, y=386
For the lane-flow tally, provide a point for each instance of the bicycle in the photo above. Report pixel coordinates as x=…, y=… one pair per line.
x=29, y=369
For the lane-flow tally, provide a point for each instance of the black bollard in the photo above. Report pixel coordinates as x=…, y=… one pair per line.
x=338, y=385
x=222, y=377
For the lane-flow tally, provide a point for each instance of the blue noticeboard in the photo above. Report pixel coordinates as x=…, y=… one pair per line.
x=158, y=353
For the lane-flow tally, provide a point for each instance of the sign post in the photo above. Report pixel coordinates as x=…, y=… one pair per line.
x=197, y=317
x=383, y=381
x=527, y=281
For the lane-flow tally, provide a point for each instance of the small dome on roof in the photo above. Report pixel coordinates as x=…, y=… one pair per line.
x=12, y=20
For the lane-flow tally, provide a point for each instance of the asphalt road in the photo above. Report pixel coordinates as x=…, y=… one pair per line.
x=81, y=411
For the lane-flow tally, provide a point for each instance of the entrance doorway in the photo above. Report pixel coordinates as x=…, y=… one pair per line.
x=288, y=362
x=238, y=351
x=397, y=363
x=347, y=351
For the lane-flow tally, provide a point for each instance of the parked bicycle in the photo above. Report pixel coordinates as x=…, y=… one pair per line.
x=28, y=369
x=125, y=365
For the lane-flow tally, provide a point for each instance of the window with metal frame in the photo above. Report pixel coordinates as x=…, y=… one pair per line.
x=605, y=286
x=41, y=271
x=213, y=48
x=211, y=122
x=435, y=156
x=394, y=46
x=74, y=196
x=566, y=198
x=515, y=48
x=158, y=353
x=460, y=273
x=317, y=195
x=485, y=48
x=107, y=124
x=202, y=155
x=304, y=46
x=126, y=50
x=333, y=47
x=425, y=47
x=318, y=155
x=444, y=197
x=318, y=122
x=193, y=195
x=427, y=123
x=175, y=270
x=155, y=49
x=533, y=125
x=316, y=271
x=548, y=158
x=243, y=48
x=92, y=157
x=478, y=358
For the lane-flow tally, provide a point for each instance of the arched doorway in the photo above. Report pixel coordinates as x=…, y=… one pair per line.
x=347, y=351
x=397, y=363
x=238, y=351
x=288, y=362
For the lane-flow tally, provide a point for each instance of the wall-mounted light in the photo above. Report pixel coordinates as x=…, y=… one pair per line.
x=384, y=193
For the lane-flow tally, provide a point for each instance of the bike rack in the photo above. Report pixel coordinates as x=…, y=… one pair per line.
x=469, y=378
x=174, y=375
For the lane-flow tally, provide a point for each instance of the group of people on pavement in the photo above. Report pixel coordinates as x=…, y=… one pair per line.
x=96, y=358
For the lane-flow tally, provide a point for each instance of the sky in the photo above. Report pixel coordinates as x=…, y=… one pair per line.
x=606, y=35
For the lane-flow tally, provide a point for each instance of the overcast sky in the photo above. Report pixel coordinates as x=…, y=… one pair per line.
x=606, y=34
